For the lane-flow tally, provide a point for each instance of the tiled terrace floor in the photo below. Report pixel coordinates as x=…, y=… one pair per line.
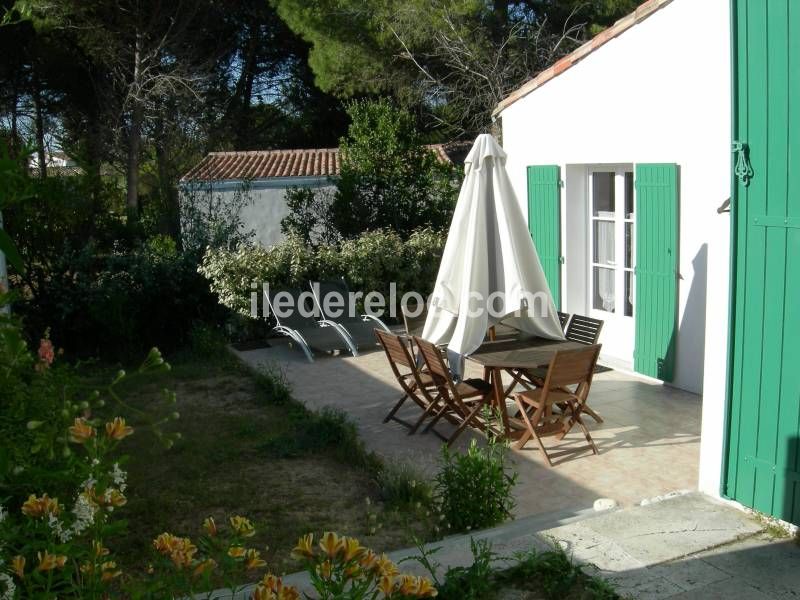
x=649, y=442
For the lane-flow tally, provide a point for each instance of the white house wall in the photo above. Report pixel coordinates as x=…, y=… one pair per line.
x=660, y=92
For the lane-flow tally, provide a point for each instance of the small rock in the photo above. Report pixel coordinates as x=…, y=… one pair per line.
x=602, y=504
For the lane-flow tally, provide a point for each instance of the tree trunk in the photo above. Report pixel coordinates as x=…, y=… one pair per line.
x=39, y=119
x=134, y=137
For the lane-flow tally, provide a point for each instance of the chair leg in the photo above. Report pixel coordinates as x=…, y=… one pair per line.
x=592, y=414
x=585, y=430
x=425, y=414
x=465, y=422
x=395, y=408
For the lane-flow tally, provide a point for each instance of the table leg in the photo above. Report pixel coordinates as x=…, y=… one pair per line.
x=500, y=399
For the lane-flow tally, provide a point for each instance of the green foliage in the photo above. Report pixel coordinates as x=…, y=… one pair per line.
x=474, y=489
x=309, y=215
x=212, y=219
x=369, y=262
x=388, y=178
x=312, y=432
x=116, y=305
x=556, y=575
x=401, y=485
x=474, y=582
x=207, y=341
x=273, y=388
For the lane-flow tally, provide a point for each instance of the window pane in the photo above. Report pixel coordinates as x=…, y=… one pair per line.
x=628, y=195
x=628, y=245
x=603, y=297
x=629, y=299
x=604, y=242
x=603, y=195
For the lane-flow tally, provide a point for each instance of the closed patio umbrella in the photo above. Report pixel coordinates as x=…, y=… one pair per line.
x=488, y=258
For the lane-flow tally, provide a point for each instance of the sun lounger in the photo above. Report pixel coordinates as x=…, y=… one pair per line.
x=308, y=333
x=359, y=328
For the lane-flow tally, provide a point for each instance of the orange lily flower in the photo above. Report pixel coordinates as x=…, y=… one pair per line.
x=48, y=562
x=117, y=429
x=243, y=526
x=253, y=560
x=210, y=526
x=39, y=507
x=81, y=431
x=330, y=544
x=18, y=566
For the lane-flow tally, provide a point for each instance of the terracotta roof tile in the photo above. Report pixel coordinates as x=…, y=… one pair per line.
x=640, y=14
x=264, y=164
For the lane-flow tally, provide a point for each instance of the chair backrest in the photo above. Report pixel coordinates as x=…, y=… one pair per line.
x=339, y=287
x=563, y=319
x=585, y=330
x=433, y=358
x=294, y=319
x=412, y=321
x=572, y=367
x=396, y=350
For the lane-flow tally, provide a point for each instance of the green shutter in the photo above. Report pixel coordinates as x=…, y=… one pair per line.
x=656, y=269
x=544, y=222
x=763, y=458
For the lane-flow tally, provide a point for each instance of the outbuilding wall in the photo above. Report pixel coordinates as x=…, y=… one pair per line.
x=262, y=202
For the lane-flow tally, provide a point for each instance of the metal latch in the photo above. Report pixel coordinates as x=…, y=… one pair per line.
x=742, y=168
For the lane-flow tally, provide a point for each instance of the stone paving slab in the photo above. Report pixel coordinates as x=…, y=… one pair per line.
x=661, y=531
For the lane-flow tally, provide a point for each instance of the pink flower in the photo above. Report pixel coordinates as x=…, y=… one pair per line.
x=46, y=352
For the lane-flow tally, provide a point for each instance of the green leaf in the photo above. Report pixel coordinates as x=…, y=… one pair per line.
x=8, y=248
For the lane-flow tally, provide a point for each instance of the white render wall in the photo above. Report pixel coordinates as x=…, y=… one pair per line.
x=659, y=92
x=264, y=202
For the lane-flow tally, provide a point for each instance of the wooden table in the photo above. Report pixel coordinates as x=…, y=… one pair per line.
x=514, y=356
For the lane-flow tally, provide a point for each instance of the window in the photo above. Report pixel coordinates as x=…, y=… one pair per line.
x=612, y=232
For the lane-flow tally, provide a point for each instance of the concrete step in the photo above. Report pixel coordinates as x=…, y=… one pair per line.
x=624, y=546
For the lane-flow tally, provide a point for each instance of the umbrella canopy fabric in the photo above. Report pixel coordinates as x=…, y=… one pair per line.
x=490, y=271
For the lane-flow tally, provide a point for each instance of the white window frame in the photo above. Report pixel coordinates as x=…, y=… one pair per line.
x=620, y=221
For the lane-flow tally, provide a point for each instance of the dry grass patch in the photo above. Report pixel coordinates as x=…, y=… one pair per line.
x=239, y=455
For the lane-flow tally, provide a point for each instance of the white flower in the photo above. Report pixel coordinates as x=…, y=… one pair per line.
x=64, y=535
x=10, y=589
x=84, y=512
x=119, y=477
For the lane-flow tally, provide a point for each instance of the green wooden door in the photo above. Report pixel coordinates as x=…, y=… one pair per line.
x=763, y=458
x=656, y=269
x=544, y=222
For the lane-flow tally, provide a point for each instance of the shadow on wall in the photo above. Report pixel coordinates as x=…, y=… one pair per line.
x=694, y=318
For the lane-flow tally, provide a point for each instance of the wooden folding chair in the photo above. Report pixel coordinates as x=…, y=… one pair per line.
x=461, y=401
x=417, y=385
x=568, y=368
x=585, y=330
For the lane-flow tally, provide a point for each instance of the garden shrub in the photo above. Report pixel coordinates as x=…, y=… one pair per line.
x=116, y=305
x=369, y=262
x=88, y=277
x=388, y=178
x=474, y=489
